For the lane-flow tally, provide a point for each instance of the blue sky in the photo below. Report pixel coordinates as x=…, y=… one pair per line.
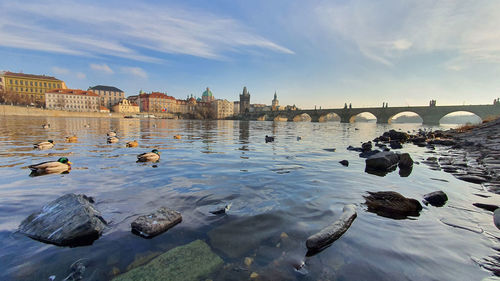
x=314, y=52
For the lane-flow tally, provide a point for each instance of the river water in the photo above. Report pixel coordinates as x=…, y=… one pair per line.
x=281, y=193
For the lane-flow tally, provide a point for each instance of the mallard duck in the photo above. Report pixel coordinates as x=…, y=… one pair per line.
x=72, y=139
x=44, y=144
x=132, y=143
x=177, y=137
x=52, y=167
x=46, y=126
x=152, y=156
x=392, y=204
x=113, y=139
x=269, y=139
x=111, y=134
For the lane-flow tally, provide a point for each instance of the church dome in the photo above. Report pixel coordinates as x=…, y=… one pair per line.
x=207, y=93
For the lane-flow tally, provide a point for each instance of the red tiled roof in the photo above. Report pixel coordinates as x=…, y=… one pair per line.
x=103, y=108
x=8, y=73
x=72, y=92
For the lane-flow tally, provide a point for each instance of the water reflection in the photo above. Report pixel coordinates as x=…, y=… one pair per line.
x=281, y=193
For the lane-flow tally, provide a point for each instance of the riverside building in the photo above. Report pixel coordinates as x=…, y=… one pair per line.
x=31, y=86
x=109, y=96
x=72, y=100
x=125, y=106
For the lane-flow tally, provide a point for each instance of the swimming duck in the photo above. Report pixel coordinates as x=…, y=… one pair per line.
x=392, y=204
x=132, y=143
x=72, y=139
x=269, y=139
x=44, y=144
x=111, y=134
x=52, y=167
x=152, y=156
x=113, y=139
x=46, y=126
x=177, y=137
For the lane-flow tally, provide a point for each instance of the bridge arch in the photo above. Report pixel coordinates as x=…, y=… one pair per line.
x=366, y=115
x=280, y=118
x=329, y=117
x=262, y=118
x=460, y=117
x=405, y=117
x=303, y=117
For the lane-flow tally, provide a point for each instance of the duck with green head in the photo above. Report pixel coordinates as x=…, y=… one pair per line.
x=152, y=156
x=44, y=144
x=52, y=167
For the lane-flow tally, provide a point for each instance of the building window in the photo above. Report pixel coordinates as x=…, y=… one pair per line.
x=16, y=82
x=45, y=84
x=36, y=84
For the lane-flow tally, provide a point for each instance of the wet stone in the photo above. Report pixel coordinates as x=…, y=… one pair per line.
x=156, y=223
x=436, y=198
x=70, y=220
x=194, y=261
x=472, y=179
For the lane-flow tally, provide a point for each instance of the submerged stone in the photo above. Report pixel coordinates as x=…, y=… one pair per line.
x=70, y=220
x=193, y=261
x=156, y=223
x=332, y=232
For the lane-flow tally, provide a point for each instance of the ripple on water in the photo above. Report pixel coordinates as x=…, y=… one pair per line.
x=280, y=192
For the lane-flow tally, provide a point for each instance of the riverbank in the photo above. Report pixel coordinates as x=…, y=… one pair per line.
x=11, y=110
x=482, y=144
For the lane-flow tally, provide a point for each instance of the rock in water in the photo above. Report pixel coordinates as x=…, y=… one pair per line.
x=156, y=223
x=221, y=209
x=488, y=207
x=391, y=204
x=193, y=261
x=382, y=161
x=405, y=161
x=344, y=163
x=496, y=218
x=332, y=232
x=436, y=198
x=70, y=220
x=472, y=179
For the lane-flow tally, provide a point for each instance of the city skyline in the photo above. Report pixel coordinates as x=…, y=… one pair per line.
x=315, y=53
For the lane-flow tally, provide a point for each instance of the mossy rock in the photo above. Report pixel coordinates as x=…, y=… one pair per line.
x=189, y=262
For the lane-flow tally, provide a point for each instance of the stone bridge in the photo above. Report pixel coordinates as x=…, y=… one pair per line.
x=430, y=114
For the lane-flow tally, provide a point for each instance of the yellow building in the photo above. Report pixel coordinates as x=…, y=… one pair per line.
x=125, y=106
x=32, y=86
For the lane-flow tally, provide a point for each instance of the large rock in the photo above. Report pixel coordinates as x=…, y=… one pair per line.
x=382, y=161
x=194, y=261
x=392, y=204
x=394, y=135
x=332, y=232
x=156, y=223
x=436, y=198
x=405, y=161
x=70, y=220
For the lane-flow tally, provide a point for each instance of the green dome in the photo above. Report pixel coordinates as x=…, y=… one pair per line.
x=207, y=93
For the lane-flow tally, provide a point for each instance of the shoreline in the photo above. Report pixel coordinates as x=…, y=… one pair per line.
x=13, y=110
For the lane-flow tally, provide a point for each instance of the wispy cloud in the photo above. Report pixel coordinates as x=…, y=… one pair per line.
x=102, y=68
x=387, y=30
x=135, y=71
x=58, y=26
x=81, y=75
x=60, y=70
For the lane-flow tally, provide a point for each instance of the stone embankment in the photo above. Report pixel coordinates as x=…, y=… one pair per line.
x=10, y=110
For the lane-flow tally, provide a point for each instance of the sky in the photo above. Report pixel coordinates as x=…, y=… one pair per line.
x=312, y=53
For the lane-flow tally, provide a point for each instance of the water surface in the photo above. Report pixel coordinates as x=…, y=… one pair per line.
x=281, y=193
